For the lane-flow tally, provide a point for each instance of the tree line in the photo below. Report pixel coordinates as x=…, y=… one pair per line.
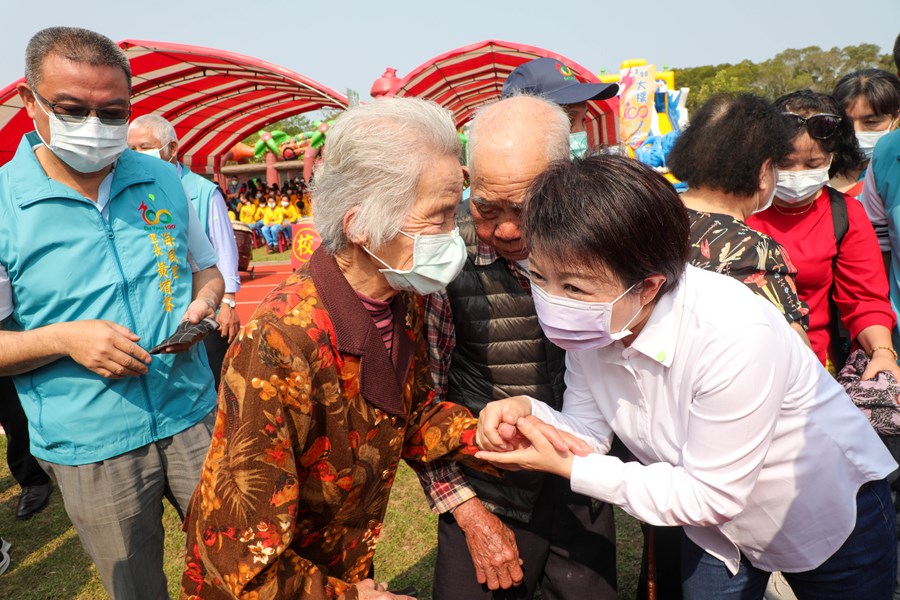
x=788, y=71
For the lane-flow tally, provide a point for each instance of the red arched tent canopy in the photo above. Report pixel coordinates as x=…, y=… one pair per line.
x=213, y=98
x=463, y=79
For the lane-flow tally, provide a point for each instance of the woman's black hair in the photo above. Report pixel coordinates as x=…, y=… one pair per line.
x=610, y=212
x=847, y=157
x=880, y=88
x=728, y=141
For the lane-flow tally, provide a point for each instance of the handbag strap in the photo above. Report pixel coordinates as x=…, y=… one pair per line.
x=841, y=223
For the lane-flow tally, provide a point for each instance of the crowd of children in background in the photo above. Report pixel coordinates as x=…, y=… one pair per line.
x=268, y=210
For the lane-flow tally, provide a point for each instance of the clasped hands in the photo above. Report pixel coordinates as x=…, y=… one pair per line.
x=510, y=437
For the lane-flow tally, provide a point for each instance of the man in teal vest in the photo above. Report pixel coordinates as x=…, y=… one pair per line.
x=485, y=344
x=155, y=136
x=881, y=199
x=101, y=258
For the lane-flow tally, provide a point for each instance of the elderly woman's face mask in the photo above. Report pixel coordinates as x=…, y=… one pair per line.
x=437, y=260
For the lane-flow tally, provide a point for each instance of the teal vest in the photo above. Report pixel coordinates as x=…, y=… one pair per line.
x=885, y=166
x=200, y=190
x=67, y=263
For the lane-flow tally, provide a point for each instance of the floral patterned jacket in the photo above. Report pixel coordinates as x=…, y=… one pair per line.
x=725, y=245
x=313, y=418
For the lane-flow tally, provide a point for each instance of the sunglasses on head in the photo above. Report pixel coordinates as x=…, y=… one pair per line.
x=74, y=114
x=820, y=127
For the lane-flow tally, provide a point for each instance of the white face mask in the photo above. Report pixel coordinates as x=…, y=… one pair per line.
x=154, y=152
x=437, y=260
x=771, y=198
x=271, y=205
x=284, y=204
x=868, y=139
x=578, y=325
x=795, y=187
x=88, y=146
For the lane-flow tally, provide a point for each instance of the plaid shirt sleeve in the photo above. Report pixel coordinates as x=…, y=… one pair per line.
x=445, y=485
x=441, y=336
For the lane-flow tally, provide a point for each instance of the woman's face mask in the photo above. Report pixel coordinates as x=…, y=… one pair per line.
x=576, y=324
x=796, y=187
x=868, y=139
x=771, y=198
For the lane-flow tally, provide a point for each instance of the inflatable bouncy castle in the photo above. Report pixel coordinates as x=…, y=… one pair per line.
x=651, y=111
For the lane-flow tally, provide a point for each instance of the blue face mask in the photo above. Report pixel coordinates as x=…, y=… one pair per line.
x=578, y=144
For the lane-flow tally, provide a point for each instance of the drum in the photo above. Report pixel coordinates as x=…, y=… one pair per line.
x=243, y=237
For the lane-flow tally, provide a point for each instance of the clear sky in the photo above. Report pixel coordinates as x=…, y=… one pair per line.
x=348, y=44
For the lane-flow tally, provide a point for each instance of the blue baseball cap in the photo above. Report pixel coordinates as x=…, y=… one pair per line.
x=555, y=81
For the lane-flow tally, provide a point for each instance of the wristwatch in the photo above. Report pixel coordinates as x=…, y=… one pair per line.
x=229, y=302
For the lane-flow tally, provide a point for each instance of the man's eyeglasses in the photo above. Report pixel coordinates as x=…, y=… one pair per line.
x=74, y=114
x=820, y=127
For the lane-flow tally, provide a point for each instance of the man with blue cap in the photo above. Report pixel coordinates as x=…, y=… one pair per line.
x=554, y=80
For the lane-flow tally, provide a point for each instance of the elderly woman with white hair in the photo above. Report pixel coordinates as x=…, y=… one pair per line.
x=327, y=387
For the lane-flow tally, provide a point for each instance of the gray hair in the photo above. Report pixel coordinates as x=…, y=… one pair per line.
x=375, y=155
x=159, y=127
x=75, y=44
x=548, y=122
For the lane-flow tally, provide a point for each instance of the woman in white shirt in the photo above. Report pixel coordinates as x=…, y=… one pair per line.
x=740, y=434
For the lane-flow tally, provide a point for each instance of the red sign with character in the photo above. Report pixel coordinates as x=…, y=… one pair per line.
x=304, y=241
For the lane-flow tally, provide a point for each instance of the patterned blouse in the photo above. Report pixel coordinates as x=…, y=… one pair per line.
x=314, y=415
x=725, y=245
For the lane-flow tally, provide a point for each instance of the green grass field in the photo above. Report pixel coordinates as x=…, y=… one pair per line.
x=260, y=255
x=48, y=562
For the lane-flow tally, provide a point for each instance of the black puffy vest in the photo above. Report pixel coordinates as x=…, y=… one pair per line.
x=500, y=352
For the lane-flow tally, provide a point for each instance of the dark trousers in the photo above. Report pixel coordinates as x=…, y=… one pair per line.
x=216, y=347
x=864, y=567
x=568, y=548
x=893, y=445
x=24, y=468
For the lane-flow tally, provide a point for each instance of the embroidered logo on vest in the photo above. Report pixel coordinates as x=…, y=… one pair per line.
x=155, y=217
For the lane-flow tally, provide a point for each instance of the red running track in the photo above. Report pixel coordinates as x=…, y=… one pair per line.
x=266, y=277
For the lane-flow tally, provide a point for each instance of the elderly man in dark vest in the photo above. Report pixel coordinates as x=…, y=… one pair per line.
x=504, y=537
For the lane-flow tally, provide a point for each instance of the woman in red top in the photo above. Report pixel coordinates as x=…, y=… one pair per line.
x=801, y=220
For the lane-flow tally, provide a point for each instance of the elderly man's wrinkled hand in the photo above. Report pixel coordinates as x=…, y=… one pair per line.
x=368, y=589
x=492, y=546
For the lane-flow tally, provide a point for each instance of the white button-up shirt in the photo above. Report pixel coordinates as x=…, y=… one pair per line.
x=741, y=435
